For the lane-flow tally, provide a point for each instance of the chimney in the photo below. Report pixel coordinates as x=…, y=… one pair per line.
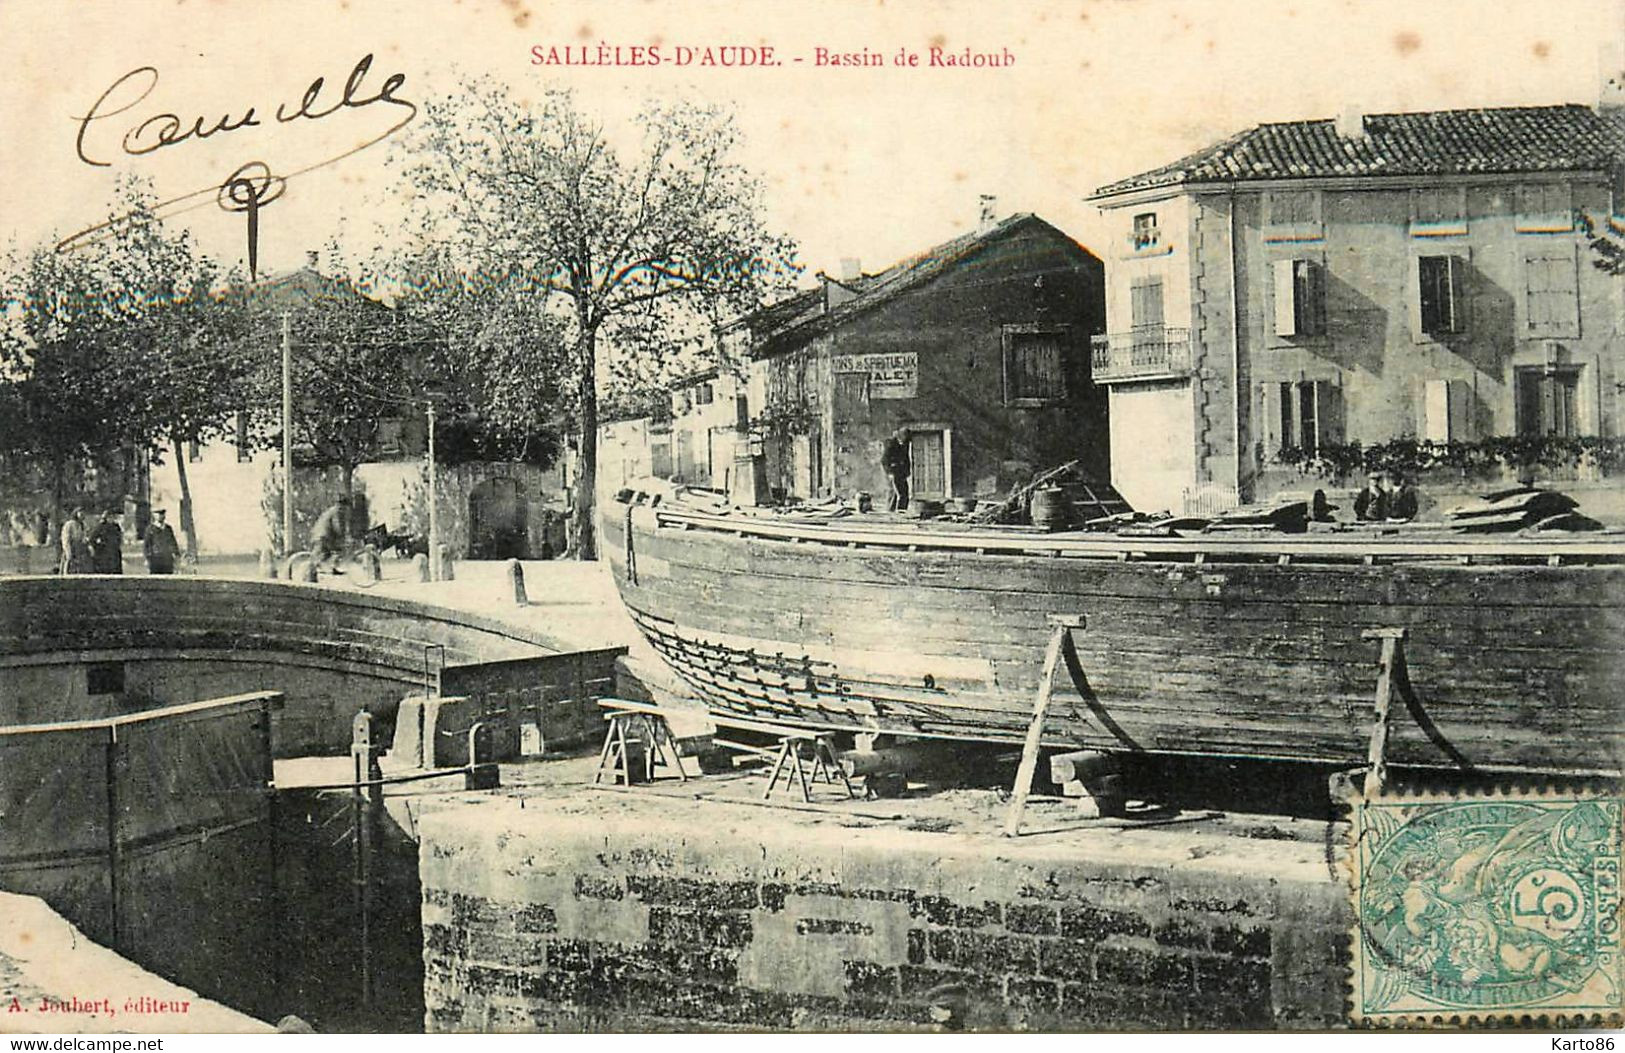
x=310, y=258
x=990, y=211
x=851, y=268
x=1350, y=123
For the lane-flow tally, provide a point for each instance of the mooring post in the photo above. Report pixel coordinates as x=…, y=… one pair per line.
x=447, y=571
x=516, y=578
x=361, y=756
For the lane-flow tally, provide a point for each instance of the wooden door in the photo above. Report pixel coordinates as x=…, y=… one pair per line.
x=928, y=475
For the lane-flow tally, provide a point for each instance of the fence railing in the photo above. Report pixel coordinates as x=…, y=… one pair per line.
x=1141, y=354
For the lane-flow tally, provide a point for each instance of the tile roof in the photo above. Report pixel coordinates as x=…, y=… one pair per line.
x=1562, y=138
x=803, y=315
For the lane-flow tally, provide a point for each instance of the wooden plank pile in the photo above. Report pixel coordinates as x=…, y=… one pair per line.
x=1521, y=508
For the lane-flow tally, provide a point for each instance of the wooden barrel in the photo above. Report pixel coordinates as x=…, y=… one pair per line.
x=1050, y=509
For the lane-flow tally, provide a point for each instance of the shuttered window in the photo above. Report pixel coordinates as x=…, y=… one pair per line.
x=1300, y=298
x=1548, y=402
x=1545, y=208
x=1145, y=303
x=1551, y=293
x=1034, y=368
x=1292, y=215
x=1438, y=211
x=1440, y=306
x=1300, y=414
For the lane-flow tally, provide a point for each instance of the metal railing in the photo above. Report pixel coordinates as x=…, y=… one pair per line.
x=1141, y=354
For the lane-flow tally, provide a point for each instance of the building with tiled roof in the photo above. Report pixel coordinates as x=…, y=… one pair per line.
x=1306, y=284
x=977, y=349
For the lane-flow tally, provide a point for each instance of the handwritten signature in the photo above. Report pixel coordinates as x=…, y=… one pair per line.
x=143, y=136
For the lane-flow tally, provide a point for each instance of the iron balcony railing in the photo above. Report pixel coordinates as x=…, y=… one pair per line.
x=1141, y=354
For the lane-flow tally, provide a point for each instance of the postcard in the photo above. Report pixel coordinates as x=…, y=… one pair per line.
x=817, y=515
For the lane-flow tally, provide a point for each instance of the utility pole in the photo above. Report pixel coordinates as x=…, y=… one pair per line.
x=434, y=515
x=287, y=436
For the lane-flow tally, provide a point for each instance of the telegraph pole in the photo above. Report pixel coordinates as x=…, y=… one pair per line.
x=434, y=515
x=287, y=436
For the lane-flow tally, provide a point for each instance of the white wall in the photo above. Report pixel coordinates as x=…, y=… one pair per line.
x=1153, y=444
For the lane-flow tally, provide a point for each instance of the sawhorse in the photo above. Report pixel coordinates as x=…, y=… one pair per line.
x=821, y=763
x=654, y=739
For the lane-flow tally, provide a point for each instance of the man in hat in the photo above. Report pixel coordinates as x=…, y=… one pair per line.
x=894, y=460
x=159, y=545
x=1372, y=503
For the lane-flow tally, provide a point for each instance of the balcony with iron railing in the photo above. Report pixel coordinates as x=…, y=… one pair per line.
x=1141, y=354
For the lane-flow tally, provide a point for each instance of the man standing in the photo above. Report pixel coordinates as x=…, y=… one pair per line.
x=75, y=556
x=107, y=545
x=159, y=545
x=894, y=460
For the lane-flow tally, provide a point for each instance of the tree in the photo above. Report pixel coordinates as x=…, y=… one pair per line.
x=496, y=364
x=646, y=255
x=120, y=344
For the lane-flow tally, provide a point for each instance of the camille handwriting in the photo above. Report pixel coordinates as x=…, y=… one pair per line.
x=162, y=130
x=252, y=184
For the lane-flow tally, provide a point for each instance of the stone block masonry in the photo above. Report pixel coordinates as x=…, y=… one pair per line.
x=636, y=913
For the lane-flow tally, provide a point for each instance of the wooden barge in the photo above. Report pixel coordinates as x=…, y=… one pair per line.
x=1212, y=645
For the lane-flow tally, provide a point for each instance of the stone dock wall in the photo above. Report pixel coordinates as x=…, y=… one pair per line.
x=730, y=917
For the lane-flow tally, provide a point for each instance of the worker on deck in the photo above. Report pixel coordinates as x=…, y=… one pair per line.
x=894, y=459
x=1372, y=504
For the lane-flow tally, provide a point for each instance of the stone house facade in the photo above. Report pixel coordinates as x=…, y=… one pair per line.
x=1318, y=283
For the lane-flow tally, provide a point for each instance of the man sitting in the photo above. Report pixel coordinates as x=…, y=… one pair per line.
x=1371, y=505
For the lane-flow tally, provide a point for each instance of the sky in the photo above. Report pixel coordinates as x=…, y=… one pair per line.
x=873, y=164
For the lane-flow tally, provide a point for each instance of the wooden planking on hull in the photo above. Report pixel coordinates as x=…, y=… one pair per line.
x=1170, y=688
x=1331, y=727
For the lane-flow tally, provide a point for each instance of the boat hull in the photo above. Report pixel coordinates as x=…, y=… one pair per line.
x=1515, y=666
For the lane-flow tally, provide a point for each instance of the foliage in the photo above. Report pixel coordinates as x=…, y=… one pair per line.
x=650, y=251
x=495, y=363
x=1608, y=253
x=1412, y=456
x=122, y=344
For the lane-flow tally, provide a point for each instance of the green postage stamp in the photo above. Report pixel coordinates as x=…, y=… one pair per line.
x=1480, y=907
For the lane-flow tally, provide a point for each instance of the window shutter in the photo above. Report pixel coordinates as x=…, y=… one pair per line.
x=1456, y=319
x=1329, y=413
x=1315, y=274
x=1269, y=416
x=1415, y=298
x=1306, y=429
x=1285, y=298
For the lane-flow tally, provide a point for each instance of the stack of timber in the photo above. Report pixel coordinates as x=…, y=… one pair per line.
x=1286, y=517
x=1522, y=508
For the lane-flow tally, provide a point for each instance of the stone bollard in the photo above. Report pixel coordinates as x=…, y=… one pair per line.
x=447, y=571
x=421, y=562
x=516, y=575
x=267, y=564
x=372, y=570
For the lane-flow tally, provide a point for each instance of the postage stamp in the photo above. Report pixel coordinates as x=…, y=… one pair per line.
x=1486, y=907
